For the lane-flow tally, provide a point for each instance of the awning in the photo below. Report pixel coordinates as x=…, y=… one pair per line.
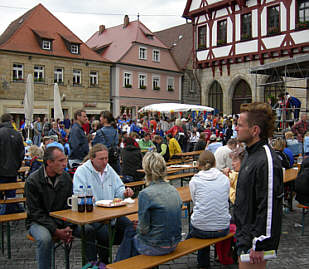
x=297, y=67
x=13, y=110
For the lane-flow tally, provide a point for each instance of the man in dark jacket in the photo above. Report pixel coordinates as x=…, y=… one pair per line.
x=78, y=141
x=47, y=190
x=302, y=183
x=12, y=153
x=258, y=205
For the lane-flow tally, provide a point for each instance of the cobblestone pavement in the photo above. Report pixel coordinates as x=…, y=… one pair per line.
x=293, y=250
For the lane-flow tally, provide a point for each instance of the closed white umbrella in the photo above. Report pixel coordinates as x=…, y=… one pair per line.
x=28, y=103
x=58, y=114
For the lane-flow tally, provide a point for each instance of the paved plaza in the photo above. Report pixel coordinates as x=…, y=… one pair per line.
x=293, y=250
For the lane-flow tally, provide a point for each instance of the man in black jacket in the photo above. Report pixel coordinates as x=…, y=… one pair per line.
x=47, y=190
x=258, y=205
x=78, y=141
x=12, y=153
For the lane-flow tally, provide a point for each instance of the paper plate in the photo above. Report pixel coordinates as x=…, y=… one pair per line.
x=109, y=203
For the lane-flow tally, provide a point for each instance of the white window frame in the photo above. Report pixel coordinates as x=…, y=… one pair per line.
x=75, y=48
x=155, y=82
x=142, y=81
x=156, y=55
x=58, y=75
x=77, y=77
x=172, y=84
x=18, y=71
x=38, y=73
x=127, y=79
x=46, y=45
x=94, y=78
x=142, y=53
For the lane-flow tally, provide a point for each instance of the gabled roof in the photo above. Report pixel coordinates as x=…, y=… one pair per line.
x=22, y=35
x=180, y=41
x=118, y=40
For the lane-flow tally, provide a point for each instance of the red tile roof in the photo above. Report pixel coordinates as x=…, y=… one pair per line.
x=21, y=34
x=180, y=41
x=118, y=40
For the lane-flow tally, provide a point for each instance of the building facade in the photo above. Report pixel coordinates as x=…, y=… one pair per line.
x=231, y=37
x=143, y=72
x=37, y=43
x=179, y=40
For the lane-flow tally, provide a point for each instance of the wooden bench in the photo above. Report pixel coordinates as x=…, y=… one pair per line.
x=135, y=184
x=305, y=210
x=7, y=219
x=179, y=161
x=185, y=247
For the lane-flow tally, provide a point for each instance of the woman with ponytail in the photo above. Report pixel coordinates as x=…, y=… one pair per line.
x=210, y=193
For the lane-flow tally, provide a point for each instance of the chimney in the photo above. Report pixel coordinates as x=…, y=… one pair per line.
x=101, y=29
x=126, y=21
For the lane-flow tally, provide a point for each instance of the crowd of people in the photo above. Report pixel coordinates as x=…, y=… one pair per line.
x=240, y=179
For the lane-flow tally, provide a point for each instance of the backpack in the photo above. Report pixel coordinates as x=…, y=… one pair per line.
x=113, y=155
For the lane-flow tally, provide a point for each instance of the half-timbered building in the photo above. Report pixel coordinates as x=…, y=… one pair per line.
x=232, y=36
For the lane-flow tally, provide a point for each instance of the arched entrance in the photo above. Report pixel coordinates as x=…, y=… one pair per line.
x=215, y=96
x=242, y=95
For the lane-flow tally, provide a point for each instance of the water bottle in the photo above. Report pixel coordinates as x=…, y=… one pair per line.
x=300, y=159
x=89, y=201
x=81, y=199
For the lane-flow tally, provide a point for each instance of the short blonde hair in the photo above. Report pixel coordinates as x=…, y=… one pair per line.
x=206, y=160
x=154, y=167
x=278, y=144
x=35, y=151
x=289, y=135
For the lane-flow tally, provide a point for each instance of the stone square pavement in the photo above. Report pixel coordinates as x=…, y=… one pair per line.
x=293, y=250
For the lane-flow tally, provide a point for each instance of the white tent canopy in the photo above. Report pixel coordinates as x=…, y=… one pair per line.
x=174, y=107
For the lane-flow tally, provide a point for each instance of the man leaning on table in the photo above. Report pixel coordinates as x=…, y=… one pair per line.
x=47, y=190
x=258, y=205
x=106, y=185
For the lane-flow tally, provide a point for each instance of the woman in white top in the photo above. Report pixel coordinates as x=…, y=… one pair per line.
x=210, y=193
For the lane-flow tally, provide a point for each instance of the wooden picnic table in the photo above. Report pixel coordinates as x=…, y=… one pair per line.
x=174, y=168
x=290, y=174
x=101, y=214
x=11, y=186
x=191, y=153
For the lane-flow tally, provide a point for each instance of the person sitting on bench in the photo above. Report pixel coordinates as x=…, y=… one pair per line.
x=209, y=190
x=159, y=213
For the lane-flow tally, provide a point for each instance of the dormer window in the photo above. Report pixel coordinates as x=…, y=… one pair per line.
x=46, y=45
x=75, y=48
x=142, y=55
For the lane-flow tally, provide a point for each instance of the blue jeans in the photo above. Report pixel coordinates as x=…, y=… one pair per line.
x=45, y=244
x=151, y=250
x=203, y=254
x=123, y=225
x=37, y=140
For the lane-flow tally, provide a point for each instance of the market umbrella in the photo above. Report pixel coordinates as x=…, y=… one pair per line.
x=173, y=107
x=58, y=114
x=28, y=103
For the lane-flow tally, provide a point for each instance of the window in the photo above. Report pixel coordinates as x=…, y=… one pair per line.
x=18, y=72
x=222, y=25
x=94, y=78
x=142, y=53
x=58, y=75
x=273, y=20
x=246, y=26
x=303, y=14
x=156, y=83
x=46, y=45
x=201, y=32
x=127, y=80
x=74, y=48
x=156, y=55
x=142, y=81
x=38, y=75
x=170, y=84
x=77, y=77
